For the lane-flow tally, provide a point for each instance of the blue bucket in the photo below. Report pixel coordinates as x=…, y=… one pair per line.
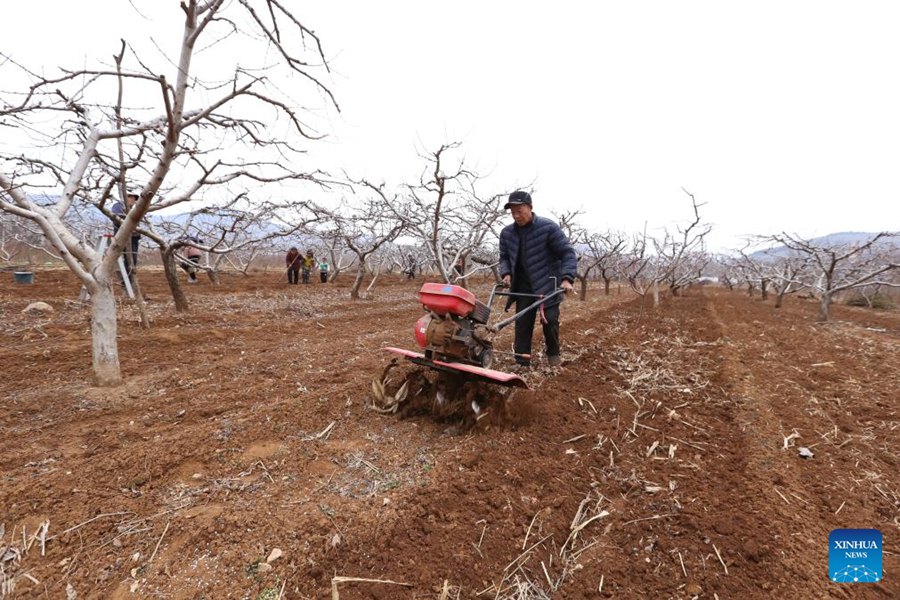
x=26, y=277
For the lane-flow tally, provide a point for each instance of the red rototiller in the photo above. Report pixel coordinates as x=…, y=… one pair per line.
x=455, y=336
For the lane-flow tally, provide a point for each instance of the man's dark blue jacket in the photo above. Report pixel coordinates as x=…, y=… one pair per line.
x=547, y=254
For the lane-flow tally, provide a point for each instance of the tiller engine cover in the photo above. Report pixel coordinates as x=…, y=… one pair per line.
x=447, y=331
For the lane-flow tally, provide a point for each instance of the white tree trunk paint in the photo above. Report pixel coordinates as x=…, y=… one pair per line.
x=103, y=335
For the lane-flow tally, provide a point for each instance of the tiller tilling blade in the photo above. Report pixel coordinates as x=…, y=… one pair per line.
x=468, y=371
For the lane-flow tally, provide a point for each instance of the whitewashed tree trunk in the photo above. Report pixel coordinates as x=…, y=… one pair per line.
x=103, y=334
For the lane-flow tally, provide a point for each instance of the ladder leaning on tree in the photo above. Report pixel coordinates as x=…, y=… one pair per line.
x=101, y=248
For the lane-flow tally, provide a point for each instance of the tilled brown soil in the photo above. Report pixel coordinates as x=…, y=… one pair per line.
x=652, y=465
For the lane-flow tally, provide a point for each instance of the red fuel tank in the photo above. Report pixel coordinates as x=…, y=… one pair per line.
x=442, y=298
x=421, y=331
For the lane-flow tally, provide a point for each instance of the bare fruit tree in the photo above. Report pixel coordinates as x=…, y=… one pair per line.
x=19, y=238
x=676, y=259
x=641, y=268
x=783, y=270
x=683, y=254
x=578, y=235
x=446, y=214
x=154, y=119
x=838, y=267
x=363, y=228
x=606, y=250
x=600, y=251
x=753, y=269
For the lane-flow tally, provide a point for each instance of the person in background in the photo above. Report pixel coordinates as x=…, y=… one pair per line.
x=459, y=268
x=292, y=263
x=323, y=271
x=535, y=253
x=307, y=265
x=192, y=255
x=120, y=209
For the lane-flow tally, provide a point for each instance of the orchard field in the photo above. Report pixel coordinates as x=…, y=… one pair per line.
x=240, y=458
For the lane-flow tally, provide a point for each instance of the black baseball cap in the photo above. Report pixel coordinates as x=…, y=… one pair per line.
x=518, y=197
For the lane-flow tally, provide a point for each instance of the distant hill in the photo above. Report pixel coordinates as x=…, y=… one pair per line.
x=843, y=238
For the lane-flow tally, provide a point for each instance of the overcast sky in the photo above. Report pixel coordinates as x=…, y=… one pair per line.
x=778, y=115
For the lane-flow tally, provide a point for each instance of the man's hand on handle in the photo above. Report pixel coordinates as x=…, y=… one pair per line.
x=566, y=284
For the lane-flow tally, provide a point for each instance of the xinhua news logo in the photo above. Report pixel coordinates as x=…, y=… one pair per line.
x=854, y=556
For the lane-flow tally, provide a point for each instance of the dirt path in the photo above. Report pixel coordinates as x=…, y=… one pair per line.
x=653, y=457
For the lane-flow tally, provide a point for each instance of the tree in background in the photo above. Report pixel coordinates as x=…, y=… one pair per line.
x=606, y=251
x=783, y=270
x=363, y=228
x=683, y=255
x=447, y=215
x=600, y=251
x=92, y=144
x=221, y=231
x=834, y=268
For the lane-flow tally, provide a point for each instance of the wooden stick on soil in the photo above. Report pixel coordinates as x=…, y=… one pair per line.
x=591, y=404
x=547, y=575
x=40, y=534
x=265, y=470
x=530, y=548
x=654, y=517
x=582, y=525
x=800, y=498
x=45, y=526
x=324, y=485
x=478, y=550
x=483, y=529
x=575, y=555
x=786, y=501
x=525, y=541
x=80, y=525
x=681, y=560
x=152, y=556
x=326, y=432
x=688, y=443
x=720, y=559
x=335, y=595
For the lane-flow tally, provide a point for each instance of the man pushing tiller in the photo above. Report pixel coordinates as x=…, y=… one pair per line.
x=455, y=334
x=534, y=255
